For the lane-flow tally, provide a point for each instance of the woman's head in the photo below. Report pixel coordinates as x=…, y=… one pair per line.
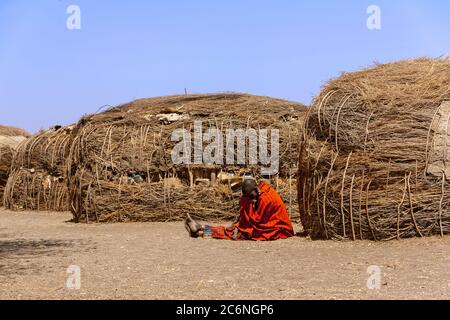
x=250, y=189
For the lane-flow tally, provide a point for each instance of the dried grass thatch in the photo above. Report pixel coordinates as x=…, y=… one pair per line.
x=37, y=180
x=134, y=140
x=374, y=157
x=10, y=138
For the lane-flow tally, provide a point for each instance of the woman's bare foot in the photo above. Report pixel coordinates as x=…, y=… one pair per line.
x=192, y=227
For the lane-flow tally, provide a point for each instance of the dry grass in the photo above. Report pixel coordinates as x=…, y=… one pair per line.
x=12, y=131
x=365, y=169
x=10, y=138
x=37, y=180
x=135, y=138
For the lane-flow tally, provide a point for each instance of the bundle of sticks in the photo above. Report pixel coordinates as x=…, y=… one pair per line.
x=121, y=165
x=374, y=156
x=10, y=138
x=37, y=180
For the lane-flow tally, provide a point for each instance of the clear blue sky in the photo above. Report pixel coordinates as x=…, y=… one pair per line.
x=133, y=49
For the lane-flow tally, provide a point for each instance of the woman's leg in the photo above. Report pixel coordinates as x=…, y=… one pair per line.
x=192, y=227
x=217, y=232
x=221, y=232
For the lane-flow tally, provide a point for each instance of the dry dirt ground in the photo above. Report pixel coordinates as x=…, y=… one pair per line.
x=159, y=261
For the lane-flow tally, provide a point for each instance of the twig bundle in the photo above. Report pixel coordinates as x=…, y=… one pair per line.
x=37, y=180
x=10, y=138
x=111, y=149
x=374, y=157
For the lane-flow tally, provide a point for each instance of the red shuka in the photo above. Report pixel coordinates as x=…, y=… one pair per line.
x=270, y=221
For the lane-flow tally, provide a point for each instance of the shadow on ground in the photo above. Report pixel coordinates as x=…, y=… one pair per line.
x=27, y=247
x=17, y=255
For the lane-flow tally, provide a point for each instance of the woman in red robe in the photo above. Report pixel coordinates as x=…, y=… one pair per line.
x=262, y=217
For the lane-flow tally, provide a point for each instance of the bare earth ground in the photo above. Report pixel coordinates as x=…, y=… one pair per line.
x=159, y=261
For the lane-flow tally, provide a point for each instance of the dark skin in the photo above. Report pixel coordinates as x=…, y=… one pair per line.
x=254, y=196
x=249, y=189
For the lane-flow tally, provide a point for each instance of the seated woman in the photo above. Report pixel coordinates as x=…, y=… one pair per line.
x=262, y=217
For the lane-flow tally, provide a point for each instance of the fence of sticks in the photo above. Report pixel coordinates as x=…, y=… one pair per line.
x=37, y=180
x=121, y=166
x=10, y=138
x=374, y=157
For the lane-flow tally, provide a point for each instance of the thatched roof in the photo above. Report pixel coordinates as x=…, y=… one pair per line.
x=10, y=138
x=364, y=165
x=12, y=131
x=37, y=179
x=232, y=105
x=135, y=138
x=158, y=117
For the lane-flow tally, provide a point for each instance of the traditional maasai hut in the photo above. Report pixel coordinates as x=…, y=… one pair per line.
x=10, y=138
x=374, y=160
x=37, y=180
x=122, y=165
